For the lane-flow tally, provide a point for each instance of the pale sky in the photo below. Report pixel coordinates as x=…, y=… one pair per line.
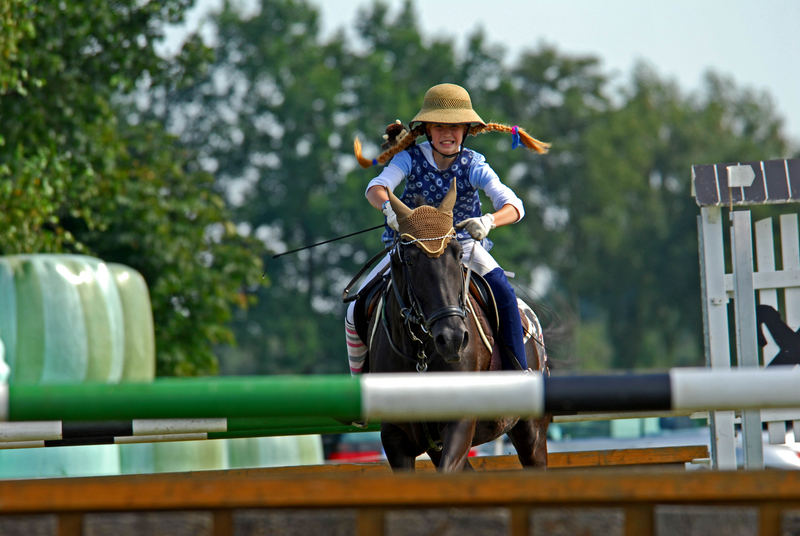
x=756, y=43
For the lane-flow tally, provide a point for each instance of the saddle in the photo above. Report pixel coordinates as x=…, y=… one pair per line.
x=367, y=302
x=370, y=296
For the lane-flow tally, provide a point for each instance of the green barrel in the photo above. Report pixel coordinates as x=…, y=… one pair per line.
x=54, y=462
x=166, y=457
x=102, y=314
x=72, y=318
x=76, y=321
x=139, y=363
x=212, y=454
x=274, y=451
x=8, y=315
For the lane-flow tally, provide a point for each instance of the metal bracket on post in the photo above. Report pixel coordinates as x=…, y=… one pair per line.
x=746, y=343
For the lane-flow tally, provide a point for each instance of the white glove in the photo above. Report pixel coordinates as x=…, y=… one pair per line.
x=391, y=217
x=478, y=228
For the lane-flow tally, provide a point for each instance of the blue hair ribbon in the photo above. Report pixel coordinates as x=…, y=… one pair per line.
x=515, y=142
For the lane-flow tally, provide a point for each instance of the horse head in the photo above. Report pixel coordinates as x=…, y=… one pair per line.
x=427, y=274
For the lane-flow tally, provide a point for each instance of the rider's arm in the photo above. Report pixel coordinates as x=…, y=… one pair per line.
x=391, y=175
x=508, y=207
x=377, y=196
x=506, y=215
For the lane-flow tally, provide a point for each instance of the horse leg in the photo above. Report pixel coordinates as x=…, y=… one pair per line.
x=529, y=438
x=401, y=452
x=457, y=440
x=436, y=458
x=540, y=446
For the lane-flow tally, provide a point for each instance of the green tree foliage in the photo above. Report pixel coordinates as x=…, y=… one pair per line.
x=15, y=25
x=258, y=160
x=80, y=172
x=266, y=117
x=636, y=220
x=609, y=215
x=279, y=110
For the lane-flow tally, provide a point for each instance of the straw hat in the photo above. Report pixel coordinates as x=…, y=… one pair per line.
x=447, y=103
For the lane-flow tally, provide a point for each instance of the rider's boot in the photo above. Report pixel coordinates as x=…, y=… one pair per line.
x=511, y=335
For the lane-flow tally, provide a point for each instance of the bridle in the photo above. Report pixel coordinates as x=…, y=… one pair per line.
x=414, y=317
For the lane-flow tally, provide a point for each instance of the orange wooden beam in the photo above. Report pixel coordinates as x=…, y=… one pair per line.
x=556, y=460
x=222, y=489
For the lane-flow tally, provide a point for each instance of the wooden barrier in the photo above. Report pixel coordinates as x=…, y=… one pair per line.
x=650, y=457
x=516, y=503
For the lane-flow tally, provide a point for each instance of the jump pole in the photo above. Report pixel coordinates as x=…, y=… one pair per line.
x=413, y=396
x=187, y=436
x=59, y=433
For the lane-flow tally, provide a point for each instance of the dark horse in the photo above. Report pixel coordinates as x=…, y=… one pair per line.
x=428, y=322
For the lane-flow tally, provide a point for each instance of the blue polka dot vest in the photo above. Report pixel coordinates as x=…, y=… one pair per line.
x=430, y=183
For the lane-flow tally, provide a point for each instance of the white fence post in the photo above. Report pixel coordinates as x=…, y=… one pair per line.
x=715, y=328
x=746, y=343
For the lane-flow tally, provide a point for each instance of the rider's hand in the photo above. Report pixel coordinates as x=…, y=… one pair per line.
x=391, y=217
x=478, y=228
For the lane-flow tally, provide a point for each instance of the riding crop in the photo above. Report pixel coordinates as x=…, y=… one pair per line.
x=327, y=241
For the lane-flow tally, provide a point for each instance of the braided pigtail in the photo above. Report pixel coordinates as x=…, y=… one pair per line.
x=519, y=136
x=362, y=161
x=403, y=141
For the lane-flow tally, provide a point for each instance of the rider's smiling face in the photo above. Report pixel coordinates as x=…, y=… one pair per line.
x=446, y=137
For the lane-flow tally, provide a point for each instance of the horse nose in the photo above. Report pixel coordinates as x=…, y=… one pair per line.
x=450, y=343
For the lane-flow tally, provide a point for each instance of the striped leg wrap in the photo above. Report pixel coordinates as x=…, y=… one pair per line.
x=356, y=349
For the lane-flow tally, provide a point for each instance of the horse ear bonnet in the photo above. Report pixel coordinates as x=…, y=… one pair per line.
x=432, y=228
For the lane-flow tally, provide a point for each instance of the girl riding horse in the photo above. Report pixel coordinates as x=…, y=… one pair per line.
x=446, y=119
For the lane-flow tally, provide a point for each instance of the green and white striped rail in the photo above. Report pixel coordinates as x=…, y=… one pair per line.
x=27, y=434
x=428, y=396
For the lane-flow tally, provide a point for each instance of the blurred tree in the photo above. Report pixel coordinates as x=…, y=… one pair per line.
x=274, y=119
x=557, y=98
x=80, y=173
x=15, y=25
x=633, y=219
x=610, y=222
x=265, y=119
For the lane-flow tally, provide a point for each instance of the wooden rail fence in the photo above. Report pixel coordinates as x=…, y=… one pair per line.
x=598, y=501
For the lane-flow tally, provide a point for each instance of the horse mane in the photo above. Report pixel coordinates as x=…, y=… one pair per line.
x=419, y=200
